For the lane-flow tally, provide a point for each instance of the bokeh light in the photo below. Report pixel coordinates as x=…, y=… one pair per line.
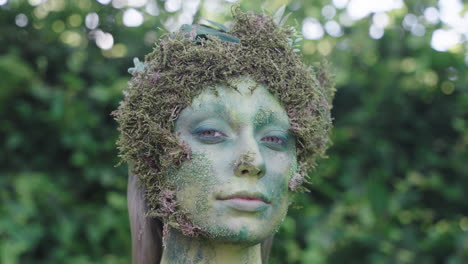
x=431, y=14
x=92, y=20
x=104, y=2
x=172, y=5
x=312, y=29
x=359, y=9
x=152, y=8
x=185, y=14
x=442, y=40
x=418, y=30
x=340, y=3
x=345, y=19
x=333, y=29
x=119, y=50
x=137, y=3
x=376, y=32
x=328, y=12
x=40, y=12
x=71, y=38
x=58, y=26
x=104, y=40
x=35, y=2
x=450, y=11
x=381, y=20
x=74, y=20
x=132, y=18
x=409, y=21
x=324, y=47
x=21, y=20
x=119, y=3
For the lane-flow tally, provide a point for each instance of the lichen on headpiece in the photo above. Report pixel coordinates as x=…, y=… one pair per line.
x=179, y=68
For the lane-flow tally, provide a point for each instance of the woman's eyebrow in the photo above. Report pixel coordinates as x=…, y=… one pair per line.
x=217, y=110
x=264, y=117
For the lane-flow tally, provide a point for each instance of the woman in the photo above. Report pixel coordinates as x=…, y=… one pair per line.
x=220, y=129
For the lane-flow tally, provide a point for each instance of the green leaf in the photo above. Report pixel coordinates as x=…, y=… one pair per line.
x=203, y=28
x=219, y=25
x=284, y=19
x=186, y=28
x=204, y=31
x=279, y=14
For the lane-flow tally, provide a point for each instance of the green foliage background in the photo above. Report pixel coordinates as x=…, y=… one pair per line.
x=393, y=189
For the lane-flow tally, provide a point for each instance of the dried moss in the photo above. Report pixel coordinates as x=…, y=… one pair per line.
x=179, y=69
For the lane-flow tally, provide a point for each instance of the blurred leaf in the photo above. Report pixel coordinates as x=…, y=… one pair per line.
x=204, y=31
x=279, y=15
x=220, y=26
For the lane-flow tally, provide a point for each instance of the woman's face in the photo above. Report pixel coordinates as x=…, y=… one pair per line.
x=243, y=154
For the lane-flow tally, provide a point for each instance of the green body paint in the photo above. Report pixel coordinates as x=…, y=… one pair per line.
x=185, y=250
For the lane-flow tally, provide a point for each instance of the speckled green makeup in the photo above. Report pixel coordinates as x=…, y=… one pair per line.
x=224, y=129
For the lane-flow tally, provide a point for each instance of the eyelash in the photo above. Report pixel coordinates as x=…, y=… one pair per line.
x=210, y=133
x=273, y=140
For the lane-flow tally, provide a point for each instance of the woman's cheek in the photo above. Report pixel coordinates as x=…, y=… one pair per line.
x=280, y=168
x=194, y=182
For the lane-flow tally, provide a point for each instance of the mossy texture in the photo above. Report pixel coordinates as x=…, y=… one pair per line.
x=179, y=68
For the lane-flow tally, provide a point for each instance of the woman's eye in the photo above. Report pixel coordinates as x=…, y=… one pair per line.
x=273, y=140
x=210, y=136
x=211, y=133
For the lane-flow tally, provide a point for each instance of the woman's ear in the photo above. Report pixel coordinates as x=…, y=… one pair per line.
x=146, y=232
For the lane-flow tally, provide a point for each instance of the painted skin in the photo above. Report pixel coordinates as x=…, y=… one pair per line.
x=235, y=186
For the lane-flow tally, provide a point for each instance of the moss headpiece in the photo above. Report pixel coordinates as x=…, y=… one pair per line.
x=184, y=63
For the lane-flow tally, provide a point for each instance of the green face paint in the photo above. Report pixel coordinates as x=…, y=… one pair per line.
x=235, y=187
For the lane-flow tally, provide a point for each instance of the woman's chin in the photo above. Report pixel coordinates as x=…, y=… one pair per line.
x=245, y=234
x=239, y=229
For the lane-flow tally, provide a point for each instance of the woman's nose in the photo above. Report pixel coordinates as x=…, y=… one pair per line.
x=249, y=163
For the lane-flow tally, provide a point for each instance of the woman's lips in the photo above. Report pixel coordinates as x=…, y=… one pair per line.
x=248, y=198
x=246, y=202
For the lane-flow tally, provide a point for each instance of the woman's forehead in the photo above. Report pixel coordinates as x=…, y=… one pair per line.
x=247, y=100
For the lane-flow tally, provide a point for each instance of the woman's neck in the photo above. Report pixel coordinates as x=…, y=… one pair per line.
x=181, y=249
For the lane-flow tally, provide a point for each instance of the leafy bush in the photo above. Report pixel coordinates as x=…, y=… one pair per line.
x=391, y=191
